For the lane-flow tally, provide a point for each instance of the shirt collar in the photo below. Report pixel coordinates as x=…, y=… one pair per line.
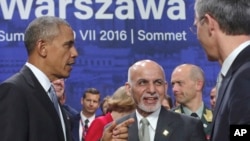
x=152, y=118
x=40, y=76
x=83, y=118
x=231, y=57
x=198, y=112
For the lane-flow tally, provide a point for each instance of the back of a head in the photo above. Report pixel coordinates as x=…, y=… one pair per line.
x=120, y=101
x=233, y=16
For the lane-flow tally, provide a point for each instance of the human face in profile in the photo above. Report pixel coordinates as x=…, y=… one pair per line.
x=61, y=53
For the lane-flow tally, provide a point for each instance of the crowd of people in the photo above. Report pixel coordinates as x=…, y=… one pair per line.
x=32, y=102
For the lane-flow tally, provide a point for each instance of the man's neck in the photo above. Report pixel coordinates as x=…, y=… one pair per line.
x=87, y=115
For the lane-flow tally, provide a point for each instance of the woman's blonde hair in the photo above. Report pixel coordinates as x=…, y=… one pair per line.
x=120, y=101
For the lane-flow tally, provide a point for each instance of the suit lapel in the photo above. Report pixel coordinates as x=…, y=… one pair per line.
x=38, y=91
x=238, y=62
x=165, y=125
x=67, y=124
x=133, y=129
x=75, y=128
x=221, y=93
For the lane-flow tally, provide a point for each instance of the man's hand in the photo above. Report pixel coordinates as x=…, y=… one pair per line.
x=117, y=132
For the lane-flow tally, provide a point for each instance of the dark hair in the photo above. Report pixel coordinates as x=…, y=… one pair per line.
x=90, y=90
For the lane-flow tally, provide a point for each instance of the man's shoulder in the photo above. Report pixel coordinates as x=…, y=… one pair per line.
x=177, y=109
x=176, y=116
x=77, y=117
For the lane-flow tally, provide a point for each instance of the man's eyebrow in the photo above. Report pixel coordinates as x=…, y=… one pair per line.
x=69, y=42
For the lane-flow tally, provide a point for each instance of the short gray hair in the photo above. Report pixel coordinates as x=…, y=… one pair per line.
x=233, y=16
x=45, y=28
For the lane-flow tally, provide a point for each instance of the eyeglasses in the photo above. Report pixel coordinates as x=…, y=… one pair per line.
x=193, y=28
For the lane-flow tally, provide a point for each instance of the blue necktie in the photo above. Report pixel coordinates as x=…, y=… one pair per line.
x=54, y=99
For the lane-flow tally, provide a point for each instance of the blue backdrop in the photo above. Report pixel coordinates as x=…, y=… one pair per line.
x=110, y=36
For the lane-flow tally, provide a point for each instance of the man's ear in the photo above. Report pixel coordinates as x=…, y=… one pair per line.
x=211, y=23
x=128, y=87
x=199, y=84
x=41, y=48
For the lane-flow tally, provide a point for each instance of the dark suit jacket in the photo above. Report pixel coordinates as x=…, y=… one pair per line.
x=26, y=111
x=171, y=126
x=206, y=119
x=75, y=127
x=233, y=102
x=71, y=113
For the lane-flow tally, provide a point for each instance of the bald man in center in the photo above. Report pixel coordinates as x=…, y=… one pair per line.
x=147, y=85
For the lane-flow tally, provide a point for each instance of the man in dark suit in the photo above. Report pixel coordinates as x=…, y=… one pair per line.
x=224, y=31
x=187, y=84
x=147, y=85
x=28, y=107
x=90, y=101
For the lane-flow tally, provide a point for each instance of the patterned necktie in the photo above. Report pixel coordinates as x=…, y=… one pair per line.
x=144, y=130
x=86, y=125
x=85, y=129
x=54, y=99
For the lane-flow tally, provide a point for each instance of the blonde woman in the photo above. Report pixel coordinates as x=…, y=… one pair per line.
x=119, y=105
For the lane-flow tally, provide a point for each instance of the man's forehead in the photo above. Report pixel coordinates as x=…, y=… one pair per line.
x=149, y=75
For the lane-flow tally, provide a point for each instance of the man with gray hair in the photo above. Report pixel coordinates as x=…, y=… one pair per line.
x=223, y=30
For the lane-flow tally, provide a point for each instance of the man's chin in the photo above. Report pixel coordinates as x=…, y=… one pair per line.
x=149, y=109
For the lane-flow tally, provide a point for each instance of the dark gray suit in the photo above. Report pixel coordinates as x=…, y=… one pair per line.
x=26, y=111
x=233, y=102
x=171, y=126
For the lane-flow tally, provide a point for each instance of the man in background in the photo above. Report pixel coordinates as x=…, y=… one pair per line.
x=90, y=102
x=187, y=84
x=59, y=86
x=213, y=97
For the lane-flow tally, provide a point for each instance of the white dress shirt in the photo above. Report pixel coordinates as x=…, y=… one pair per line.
x=152, y=119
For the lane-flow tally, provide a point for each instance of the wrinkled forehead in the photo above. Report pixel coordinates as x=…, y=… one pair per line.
x=148, y=71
